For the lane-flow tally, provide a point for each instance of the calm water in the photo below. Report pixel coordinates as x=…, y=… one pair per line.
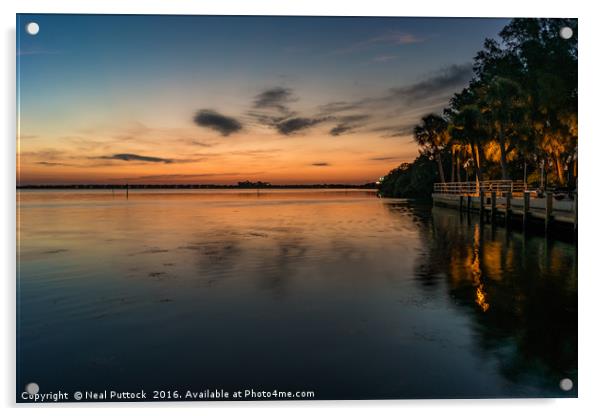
x=338, y=292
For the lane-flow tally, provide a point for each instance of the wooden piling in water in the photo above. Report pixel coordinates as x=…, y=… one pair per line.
x=575, y=214
x=481, y=203
x=461, y=202
x=468, y=203
x=493, y=205
x=549, y=208
x=526, y=198
x=508, y=210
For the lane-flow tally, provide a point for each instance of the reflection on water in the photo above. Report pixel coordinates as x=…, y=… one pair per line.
x=476, y=270
x=333, y=291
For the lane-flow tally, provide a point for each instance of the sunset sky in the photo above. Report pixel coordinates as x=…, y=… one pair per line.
x=198, y=99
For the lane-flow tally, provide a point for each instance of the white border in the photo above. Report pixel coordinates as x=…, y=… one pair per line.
x=590, y=152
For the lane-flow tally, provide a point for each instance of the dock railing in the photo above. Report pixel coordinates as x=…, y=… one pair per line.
x=508, y=199
x=474, y=188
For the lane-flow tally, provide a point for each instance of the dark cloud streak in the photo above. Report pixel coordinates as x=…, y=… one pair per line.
x=340, y=129
x=396, y=131
x=212, y=119
x=276, y=98
x=427, y=95
x=128, y=157
x=201, y=144
x=445, y=80
x=44, y=163
x=297, y=124
x=347, y=124
x=384, y=158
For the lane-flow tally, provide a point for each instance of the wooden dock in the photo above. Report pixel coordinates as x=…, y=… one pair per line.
x=509, y=202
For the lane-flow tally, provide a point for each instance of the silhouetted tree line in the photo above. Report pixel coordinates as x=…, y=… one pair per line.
x=516, y=119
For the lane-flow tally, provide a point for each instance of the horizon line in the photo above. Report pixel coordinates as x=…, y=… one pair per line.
x=189, y=185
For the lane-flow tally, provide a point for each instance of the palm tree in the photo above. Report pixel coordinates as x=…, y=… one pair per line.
x=504, y=108
x=431, y=134
x=466, y=127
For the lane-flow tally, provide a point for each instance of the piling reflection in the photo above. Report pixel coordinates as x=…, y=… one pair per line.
x=520, y=292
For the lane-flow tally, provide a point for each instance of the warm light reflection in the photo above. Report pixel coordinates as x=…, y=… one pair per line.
x=494, y=259
x=481, y=295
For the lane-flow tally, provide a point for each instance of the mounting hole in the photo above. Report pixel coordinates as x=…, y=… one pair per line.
x=32, y=28
x=566, y=384
x=566, y=32
x=32, y=388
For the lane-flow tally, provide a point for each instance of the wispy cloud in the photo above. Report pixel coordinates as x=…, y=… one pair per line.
x=340, y=106
x=320, y=164
x=385, y=158
x=256, y=153
x=340, y=129
x=37, y=52
x=396, y=131
x=201, y=143
x=44, y=154
x=276, y=98
x=283, y=119
x=400, y=38
x=445, y=80
x=271, y=109
x=384, y=58
x=45, y=163
x=391, y=37
x=297, y=124
x=405, y=103
x=348, y=123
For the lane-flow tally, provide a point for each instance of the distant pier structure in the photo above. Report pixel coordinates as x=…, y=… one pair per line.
x=509, y=201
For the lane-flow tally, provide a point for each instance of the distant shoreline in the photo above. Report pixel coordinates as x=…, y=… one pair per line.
x=198, y=186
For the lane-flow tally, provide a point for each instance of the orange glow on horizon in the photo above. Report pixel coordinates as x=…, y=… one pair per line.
x=311, y=159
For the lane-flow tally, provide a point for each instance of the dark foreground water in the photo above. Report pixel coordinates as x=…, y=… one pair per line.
x=335, y=292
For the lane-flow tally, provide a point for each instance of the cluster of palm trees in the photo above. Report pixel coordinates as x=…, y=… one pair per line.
x=517, y=118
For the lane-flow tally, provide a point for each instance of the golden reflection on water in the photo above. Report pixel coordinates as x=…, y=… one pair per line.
x=213, y=234
x=480, y=294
